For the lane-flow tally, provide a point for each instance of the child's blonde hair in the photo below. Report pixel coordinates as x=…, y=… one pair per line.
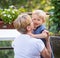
x=40, y=13
x=22, y=22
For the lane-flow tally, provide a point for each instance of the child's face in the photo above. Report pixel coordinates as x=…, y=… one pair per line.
x=36, y=20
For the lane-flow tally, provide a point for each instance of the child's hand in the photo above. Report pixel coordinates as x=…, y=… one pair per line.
x=47, y=33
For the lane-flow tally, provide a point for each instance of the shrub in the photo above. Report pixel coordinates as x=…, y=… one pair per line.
x=55, y=18
x=9, y=15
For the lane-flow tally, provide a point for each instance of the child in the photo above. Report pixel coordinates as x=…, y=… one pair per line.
x=38, y=17
x=26, y=46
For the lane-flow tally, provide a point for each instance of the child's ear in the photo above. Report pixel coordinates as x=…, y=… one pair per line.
x=43, y=20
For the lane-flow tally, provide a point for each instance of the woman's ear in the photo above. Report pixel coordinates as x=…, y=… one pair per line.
x=28, y=28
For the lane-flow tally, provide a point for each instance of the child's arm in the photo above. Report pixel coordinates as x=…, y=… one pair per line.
x=44, y=34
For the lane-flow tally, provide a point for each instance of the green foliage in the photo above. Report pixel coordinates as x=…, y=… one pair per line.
x=29, y=5
x=55, y=17
x=6, y=53
x=22, y=10
x=1, y=10
x=9, y=15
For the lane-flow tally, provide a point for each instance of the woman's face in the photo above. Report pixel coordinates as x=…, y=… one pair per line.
x=31, y=26
x=36, y=20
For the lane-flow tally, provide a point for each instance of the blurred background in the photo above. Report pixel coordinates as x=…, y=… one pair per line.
x=10, y=9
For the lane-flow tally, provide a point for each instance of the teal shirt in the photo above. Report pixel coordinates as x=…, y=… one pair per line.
x=39, y=30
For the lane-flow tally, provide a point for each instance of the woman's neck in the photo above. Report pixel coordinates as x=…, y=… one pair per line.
x=29, y=32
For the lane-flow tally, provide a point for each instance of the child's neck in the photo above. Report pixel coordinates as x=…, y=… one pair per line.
x=37, y=26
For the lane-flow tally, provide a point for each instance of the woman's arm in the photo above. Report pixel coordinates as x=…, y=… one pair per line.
x=46, y=53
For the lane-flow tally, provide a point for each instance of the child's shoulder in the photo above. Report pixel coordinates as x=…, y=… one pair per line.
x=42, y=27
x=39, y=29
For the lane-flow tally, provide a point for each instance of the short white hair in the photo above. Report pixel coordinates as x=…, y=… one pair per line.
x=40, y=13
